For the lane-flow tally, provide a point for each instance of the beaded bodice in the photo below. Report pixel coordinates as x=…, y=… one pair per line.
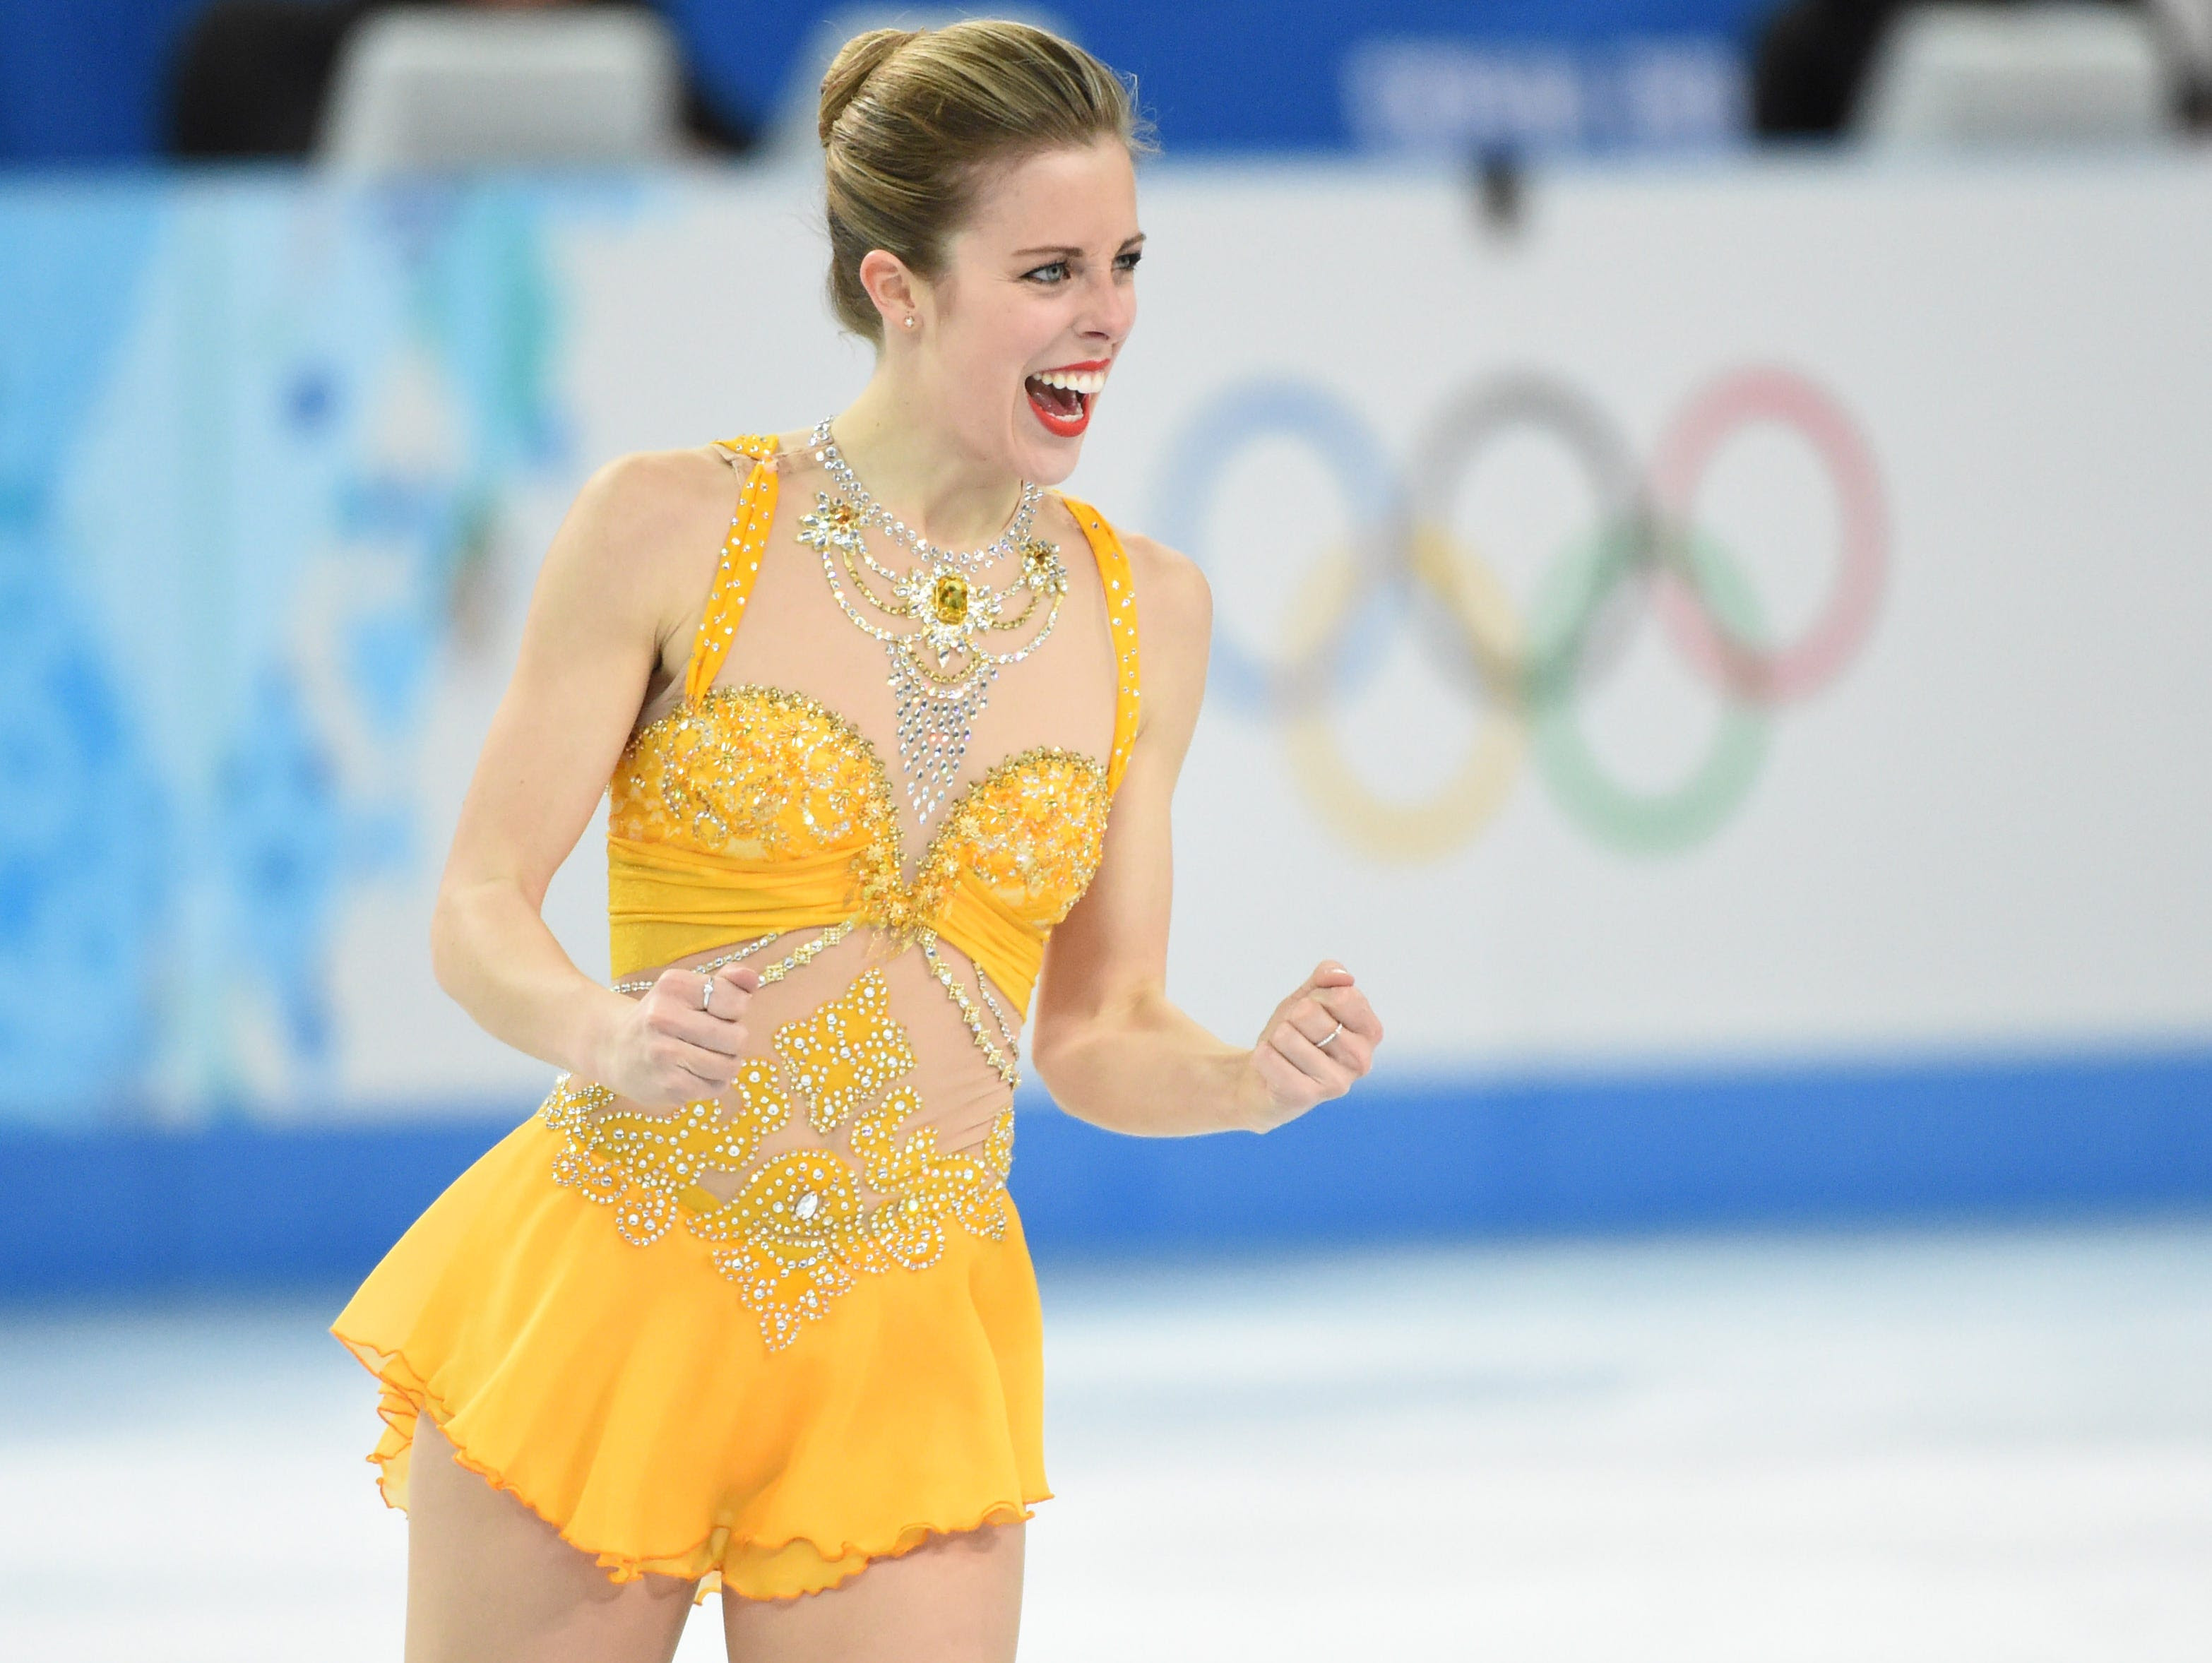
x=758, y=774
x=872, y=1111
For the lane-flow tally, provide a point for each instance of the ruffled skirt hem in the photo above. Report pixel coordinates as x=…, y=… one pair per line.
x=624, y=1396
x=750, y=1567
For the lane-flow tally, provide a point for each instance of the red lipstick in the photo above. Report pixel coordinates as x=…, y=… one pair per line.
x=1064, y=412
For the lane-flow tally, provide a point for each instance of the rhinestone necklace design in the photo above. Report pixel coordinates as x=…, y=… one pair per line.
x=941, y=670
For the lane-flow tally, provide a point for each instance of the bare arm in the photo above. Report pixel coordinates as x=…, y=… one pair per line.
x=1110, y=1046
x=632, y=561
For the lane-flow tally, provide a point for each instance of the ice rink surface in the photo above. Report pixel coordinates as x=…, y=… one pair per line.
x=1976, y=1447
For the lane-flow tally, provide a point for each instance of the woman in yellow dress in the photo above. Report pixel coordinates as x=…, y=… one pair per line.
x=745, y=1307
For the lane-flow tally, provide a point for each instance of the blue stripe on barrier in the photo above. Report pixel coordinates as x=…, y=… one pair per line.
x=242, y=1204
x=1826, y=1145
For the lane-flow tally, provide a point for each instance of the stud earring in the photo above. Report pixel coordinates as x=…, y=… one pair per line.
x=910, y=320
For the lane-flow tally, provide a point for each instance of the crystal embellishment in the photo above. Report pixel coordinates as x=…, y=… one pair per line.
x=846, y=1051
x=942, y=611
x=798, y=1232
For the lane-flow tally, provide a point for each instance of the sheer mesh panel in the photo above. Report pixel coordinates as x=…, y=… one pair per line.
x=794, y=637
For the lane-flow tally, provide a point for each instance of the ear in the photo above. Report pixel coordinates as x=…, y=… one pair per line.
x=895, y=290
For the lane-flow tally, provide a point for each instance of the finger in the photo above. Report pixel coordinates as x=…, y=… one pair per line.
x=1308, y=1059
x=1347, y=1046
x=727, y=998
x=723, y=1037
x=701, y=987
x=1349, y=1006
x=709, y=1079
x=689, y=1074
x=1311, y=1019
x=738, y=979
x=1328, y=974
x=1290, y=1089
x=1355, y=1052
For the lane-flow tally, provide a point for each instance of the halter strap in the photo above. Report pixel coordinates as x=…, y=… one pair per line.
x=1122, y=625
x=741, y=559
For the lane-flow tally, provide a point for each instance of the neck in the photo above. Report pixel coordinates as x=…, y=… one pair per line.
x=919, y=469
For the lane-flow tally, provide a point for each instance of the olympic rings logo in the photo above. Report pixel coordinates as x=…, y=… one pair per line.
x=1644, y=550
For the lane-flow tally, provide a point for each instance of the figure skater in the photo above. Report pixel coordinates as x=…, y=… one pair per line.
x=889, y=729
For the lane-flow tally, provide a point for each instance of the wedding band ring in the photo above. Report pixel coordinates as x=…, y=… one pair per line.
x=1333, y=1033
x=706, y=997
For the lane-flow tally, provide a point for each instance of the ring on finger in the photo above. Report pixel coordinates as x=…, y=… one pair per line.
x=706, y=997
x=1333, y=1033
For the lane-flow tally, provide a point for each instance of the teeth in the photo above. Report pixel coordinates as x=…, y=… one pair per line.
x=1085, y=381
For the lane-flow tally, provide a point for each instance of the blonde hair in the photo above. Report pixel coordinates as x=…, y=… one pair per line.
x=913, y=118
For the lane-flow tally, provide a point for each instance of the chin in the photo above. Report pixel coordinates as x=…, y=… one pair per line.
x=1041, y=454
x=1048, y=462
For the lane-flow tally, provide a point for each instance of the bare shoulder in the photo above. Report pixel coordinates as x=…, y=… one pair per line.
x=649, y=499
x=1175, y=603
x=646, y=527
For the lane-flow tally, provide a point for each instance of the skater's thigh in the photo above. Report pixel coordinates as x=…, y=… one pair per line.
x=956, y=1599
x=490, y=1582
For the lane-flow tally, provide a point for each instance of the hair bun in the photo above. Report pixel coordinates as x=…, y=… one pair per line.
x=856, y=60
x=902, y=168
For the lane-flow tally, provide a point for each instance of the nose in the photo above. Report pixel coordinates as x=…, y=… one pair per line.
x=1111, y=311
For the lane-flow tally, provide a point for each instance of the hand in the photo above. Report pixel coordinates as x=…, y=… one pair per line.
x=1291, y=1070
x=680, y=1043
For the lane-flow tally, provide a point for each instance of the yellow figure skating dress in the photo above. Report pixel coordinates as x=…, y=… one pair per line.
x=765, y=1338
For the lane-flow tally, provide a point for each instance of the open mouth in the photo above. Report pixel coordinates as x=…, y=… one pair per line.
x=1062, y=398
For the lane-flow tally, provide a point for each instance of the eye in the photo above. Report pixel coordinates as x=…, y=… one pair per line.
x=1047, y=275
x=1127, y=262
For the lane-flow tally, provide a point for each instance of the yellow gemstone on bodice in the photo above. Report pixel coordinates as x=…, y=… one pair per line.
x=948, y=597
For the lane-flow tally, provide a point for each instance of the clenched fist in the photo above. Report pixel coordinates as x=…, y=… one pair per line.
x=681, y=1042
x=1319, y=1040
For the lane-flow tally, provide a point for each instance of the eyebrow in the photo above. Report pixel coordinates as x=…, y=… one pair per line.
x=1030, y=253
